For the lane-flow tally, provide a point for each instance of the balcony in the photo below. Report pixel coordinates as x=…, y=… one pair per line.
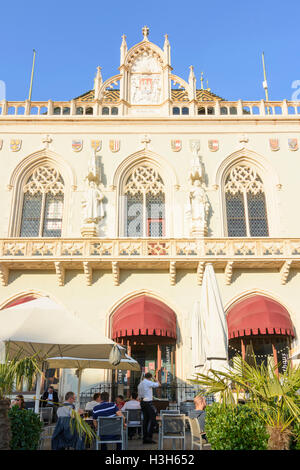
x=172, y=255
x=70, y=110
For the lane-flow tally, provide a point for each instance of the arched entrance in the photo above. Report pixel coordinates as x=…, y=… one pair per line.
x=261, y=325
x=147, y=327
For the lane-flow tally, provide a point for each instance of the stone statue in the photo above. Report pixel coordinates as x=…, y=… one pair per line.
x=199, y=208
x=92, y=204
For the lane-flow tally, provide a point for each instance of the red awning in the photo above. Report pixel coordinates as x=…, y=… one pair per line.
x=144, y=316
x=258, y=315
x=21, y=300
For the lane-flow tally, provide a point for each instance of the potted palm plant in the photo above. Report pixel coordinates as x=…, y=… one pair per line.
x=273, y=395
x=11, y=373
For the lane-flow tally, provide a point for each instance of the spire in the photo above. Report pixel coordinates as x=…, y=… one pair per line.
x=98, y=82
x=201, y=80
x=167, y=50
x=145, y=32
x=192, y=83
x=123, y=49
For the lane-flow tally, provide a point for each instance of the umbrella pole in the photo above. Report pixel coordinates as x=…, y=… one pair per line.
x=37, y=393
x=79, y=374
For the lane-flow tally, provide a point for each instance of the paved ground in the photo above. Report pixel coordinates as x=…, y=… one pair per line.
x=137, y=444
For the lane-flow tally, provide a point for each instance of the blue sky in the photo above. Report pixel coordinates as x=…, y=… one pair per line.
x=224, y=39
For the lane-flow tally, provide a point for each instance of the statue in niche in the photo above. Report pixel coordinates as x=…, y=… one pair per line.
x=92, y=203
x=199, y=208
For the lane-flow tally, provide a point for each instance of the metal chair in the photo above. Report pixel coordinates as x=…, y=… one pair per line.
x=46, y=436
x=135, y=420
x=112, y=428
x=172, y=427
x=196, y=434
x=46, y=415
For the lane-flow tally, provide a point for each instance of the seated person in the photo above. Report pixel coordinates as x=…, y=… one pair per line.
x=63, y=437
x=200, y=405
x=106, y=409
x=132, y=404
x=50, y=399
x=120, y=401
x=91, y=404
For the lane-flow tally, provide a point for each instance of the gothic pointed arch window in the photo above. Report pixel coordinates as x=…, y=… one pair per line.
x=43, y=200
x=246, y=209
x=144, y=198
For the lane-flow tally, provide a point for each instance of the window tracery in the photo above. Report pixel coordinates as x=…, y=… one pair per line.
x=245, y=203
x=145, y=203
x=43, y=201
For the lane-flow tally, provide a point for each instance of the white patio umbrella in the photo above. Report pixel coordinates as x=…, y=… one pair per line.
x=198, y=354
x=44, y=328
x=213, y=323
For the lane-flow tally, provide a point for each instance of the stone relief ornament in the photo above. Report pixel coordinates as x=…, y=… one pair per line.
x=195, y=147
x=274, y=144
x=293, y=144
x=145, y=63
x=15, y=145
x=176, y=145
x=77, y=145
x=114, y=145
x=213, y=145
x=145, y=89
x=96, y=145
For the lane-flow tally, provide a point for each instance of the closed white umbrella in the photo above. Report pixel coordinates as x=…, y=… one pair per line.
x=47, y=329
x=213, y=323
x=198, y=355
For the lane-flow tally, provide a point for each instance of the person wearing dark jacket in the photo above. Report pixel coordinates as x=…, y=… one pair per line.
x=50, y=399
x=64, y=437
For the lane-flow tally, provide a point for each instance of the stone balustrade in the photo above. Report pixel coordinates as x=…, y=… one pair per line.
x=62, y=109
x=226, y=254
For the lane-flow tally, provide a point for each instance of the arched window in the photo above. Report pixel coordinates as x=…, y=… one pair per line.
x=43, y=203
x=245, y=203
x=176, y=110
x=144, y=203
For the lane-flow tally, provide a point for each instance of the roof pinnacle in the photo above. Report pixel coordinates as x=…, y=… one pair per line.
x=145, y=32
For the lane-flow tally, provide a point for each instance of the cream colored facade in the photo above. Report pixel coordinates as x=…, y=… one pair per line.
x=92, y=276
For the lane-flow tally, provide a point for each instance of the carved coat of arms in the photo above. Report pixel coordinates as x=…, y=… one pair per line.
x=96, y=145
x=176, y=145
x=213, y=145
x=274, y=144
x=293, y=144
x=77, y=145
x=15, y=145
x=114, y=145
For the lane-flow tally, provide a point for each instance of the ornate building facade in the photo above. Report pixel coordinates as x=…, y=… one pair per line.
x=112, y=204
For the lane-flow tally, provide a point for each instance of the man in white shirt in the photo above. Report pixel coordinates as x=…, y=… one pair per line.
x=145, y=391
x=91, y=404
x=132, y=404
